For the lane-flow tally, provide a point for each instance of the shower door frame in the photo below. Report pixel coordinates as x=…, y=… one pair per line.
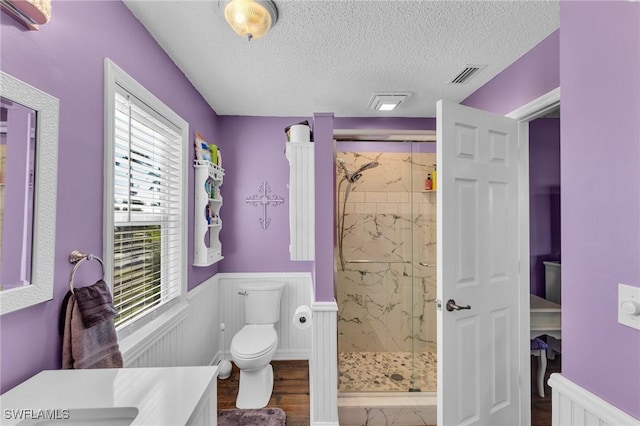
x=414, y=189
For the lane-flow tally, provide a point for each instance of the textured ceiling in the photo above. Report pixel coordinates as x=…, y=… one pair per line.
x=332, y=56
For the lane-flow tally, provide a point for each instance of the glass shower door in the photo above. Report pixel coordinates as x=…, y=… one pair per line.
x=423, y=194
x=374, y=290
x=386, y=279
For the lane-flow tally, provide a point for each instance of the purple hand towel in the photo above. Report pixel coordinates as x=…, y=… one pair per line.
x=94, y=347
x=95, y=303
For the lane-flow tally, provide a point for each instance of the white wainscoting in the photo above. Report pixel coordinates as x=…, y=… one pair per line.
x=190, y=333
x=302, y=227
x=572, y=405
x=185, y=335
x=293, y=343
x=323, y=365
x=158, y=343
x=203, y=341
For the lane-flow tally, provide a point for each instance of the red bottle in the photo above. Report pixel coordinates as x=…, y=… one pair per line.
x=428, y=184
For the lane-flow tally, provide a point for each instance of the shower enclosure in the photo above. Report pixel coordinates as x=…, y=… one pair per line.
x=386, y=262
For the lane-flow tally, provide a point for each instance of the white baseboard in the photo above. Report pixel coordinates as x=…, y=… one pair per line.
x=291, y=354
x=217, y=358
x=572, y=405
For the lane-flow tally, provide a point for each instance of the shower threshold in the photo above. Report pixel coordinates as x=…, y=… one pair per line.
x=397, y=408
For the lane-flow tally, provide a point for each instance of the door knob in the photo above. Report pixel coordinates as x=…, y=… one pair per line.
x=451, y=306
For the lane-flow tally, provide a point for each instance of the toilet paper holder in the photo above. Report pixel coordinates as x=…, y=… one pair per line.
x=302, y=317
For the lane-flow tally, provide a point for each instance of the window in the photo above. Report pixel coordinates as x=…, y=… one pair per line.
x=145, y=186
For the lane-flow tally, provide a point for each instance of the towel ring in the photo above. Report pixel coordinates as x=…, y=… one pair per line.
x=77, y=257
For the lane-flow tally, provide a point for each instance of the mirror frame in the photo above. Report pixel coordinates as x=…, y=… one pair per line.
x=44, y=205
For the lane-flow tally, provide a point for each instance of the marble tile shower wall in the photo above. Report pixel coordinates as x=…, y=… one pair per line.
x=387, y=306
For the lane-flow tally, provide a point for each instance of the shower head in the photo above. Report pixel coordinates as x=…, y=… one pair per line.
x=352, y=177
x=367, y=166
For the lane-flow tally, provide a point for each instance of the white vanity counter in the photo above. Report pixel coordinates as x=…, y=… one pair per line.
x=138, y=396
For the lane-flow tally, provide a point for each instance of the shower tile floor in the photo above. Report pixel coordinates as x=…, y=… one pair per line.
x=386, y=371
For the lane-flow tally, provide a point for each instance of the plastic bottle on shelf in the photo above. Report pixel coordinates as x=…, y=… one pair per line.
x=434, y=178
x=209, y=214
x=428, y=184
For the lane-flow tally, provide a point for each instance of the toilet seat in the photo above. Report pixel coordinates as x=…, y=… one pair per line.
x=253, y=341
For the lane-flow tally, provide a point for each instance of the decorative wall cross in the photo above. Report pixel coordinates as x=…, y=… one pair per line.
x=265, y=199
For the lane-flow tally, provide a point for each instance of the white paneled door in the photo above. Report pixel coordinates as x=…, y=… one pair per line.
x=477, y=267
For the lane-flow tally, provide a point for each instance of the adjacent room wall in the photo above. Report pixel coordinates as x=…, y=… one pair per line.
x=65, y=59
x=544, y=198
x=599, y=69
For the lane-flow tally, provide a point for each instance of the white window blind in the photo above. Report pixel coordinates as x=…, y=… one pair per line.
x=147, y=209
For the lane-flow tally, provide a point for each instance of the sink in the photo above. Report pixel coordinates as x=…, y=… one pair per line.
x=154, y=396
x=111, y=416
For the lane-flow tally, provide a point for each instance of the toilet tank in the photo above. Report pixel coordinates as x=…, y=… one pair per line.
x=262, y=302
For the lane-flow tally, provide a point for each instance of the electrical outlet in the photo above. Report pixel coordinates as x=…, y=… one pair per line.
x=629, y=306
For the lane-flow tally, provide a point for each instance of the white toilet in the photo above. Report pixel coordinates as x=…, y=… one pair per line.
x=253, y=347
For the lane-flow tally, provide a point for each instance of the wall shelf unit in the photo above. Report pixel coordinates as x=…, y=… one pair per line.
x=302, y=226
x=207, y=223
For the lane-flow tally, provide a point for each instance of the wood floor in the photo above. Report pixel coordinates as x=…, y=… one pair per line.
x=291, y=392
x=541, y=407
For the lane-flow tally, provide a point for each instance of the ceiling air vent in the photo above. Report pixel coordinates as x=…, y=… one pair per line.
x=464, y=75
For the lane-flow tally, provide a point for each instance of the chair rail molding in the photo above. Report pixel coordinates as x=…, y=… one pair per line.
x=572, y=405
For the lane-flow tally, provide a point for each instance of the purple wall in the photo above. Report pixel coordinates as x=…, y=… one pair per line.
x=597, y=64
x=599, y=73
x=253, y=152
x=401, y=147
x=534, y=74
x=544, y=198
x=396, y=123
x=15, y=268
x=65, y=59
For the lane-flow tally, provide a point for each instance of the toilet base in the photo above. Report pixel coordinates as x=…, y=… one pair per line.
x=256, y=387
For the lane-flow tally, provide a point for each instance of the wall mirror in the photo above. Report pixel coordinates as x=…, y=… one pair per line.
x=28, y=181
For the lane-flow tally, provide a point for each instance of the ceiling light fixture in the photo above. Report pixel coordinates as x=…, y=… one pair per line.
x=31, y=13
x=387, y=101
x=251, y=18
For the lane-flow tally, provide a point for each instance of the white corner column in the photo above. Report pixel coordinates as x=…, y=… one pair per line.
x=301, y=200
x=323, y=365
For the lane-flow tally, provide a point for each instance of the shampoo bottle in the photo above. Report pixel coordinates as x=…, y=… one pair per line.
x=434, y=178
x=428, y=184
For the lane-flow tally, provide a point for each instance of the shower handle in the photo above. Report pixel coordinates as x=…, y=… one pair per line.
x=451, y=306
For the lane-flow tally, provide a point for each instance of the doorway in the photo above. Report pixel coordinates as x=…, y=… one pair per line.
x=546, y=105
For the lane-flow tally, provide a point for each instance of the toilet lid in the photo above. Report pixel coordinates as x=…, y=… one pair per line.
x=254, y=340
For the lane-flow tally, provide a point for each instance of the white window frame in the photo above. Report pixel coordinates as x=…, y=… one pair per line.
x=115, y=76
